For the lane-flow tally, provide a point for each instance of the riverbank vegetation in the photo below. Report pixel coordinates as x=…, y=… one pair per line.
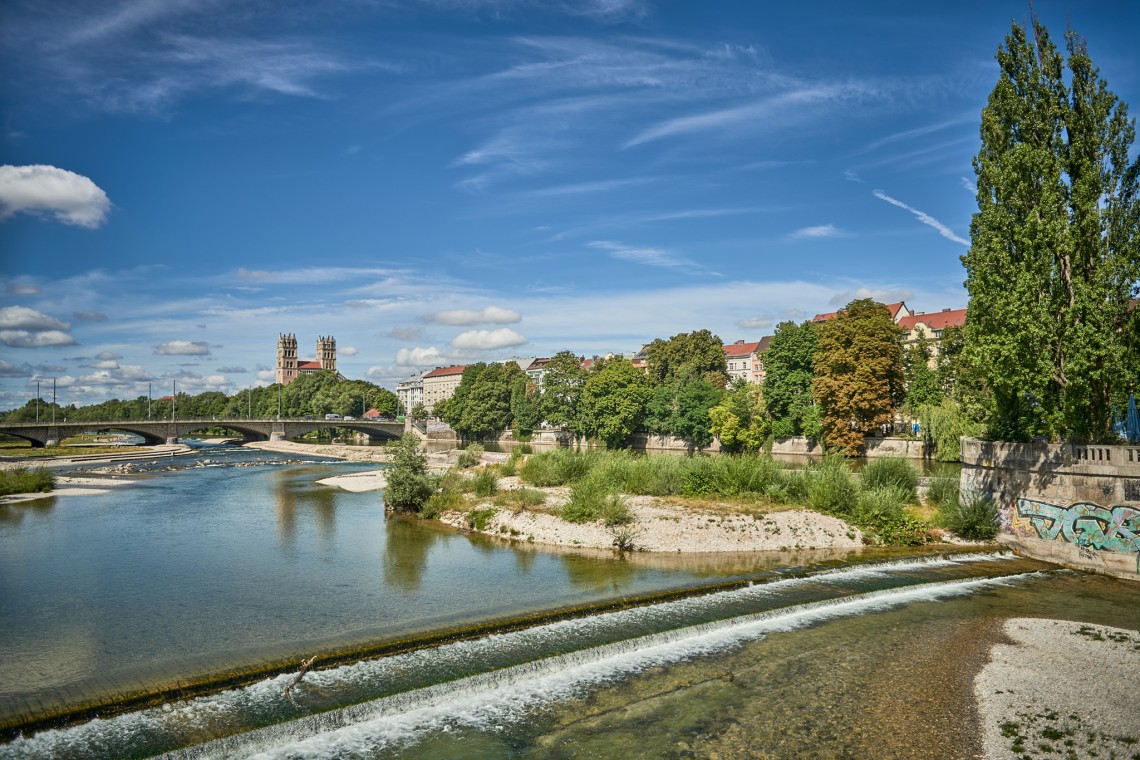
x=23, y=480
x=596, y=485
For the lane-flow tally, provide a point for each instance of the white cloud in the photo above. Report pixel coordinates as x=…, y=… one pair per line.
x=487, y=340
x=815, y=233
x=654, y=257
x=923, y=217
x=29, y=339
x=69, y=197
x=183, y=348
x=22, y=289
x=491, y=314
x=23, y=318
x=878, y=294
x=107, y=356
x=755, y=323
x=406, y=333
x=421, y=357
x=347, y=350
x=969, y=186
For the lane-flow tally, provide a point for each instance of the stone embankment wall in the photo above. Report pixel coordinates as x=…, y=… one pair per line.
x=1075, y=505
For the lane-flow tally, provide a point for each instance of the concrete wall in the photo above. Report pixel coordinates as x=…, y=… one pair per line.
x=1075, y=505
x=875, y=447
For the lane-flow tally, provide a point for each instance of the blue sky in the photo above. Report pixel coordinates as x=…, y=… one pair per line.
x=449, y=181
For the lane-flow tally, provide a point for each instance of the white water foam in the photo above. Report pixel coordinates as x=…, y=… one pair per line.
x=211, y=714
x=492, y=699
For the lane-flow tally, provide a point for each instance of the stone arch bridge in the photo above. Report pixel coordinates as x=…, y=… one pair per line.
x=169, y=431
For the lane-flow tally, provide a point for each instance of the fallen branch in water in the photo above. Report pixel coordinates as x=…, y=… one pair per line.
x=305, y=665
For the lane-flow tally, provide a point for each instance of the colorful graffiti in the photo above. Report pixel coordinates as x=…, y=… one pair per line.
x=1087, y=525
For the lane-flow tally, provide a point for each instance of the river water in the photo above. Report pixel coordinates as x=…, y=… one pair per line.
x=227, y=566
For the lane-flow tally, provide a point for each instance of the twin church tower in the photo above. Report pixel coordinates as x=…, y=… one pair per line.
x=289, y=369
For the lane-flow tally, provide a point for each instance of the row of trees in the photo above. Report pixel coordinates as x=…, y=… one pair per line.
x=315, y=395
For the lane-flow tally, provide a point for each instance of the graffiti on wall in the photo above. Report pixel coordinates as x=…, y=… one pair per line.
x=1087, y=525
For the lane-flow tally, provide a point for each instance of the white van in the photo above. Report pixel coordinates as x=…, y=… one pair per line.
x=332, y=416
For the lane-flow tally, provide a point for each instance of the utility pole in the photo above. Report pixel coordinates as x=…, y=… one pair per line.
x=174, y=401
x=37, y=401
x=53, y=401
x=249, y=403
x=148, y=395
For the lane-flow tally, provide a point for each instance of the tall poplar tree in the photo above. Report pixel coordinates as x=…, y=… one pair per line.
x=1054, y=256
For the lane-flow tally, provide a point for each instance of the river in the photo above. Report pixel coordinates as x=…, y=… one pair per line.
x=241, y=562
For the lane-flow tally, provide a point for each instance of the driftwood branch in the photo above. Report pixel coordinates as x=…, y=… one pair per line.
x=305, y=665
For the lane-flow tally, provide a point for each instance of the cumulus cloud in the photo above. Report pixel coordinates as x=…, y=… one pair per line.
x=348, y=350
x=30, y=339
x=486, y=340
x=183, y=348
x=66, y=196
x=23, y=318
x=107, y=356
x=89, y=316
x=755, y=323
x=491, y=314
x=421, y=357
x=817, y=232
x=8, y=369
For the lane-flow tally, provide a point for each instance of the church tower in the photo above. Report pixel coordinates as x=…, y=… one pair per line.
x=326, y=353
x=287, y=358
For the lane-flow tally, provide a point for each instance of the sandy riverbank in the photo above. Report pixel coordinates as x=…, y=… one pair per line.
x=1060, y=687
x=662, y=526
x=78, y=457
x=65, y=486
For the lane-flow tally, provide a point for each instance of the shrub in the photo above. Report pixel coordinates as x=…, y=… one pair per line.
x=479, y=519
x=891, y=472
x=592, y=499
x=522, y=497
x=972, y=516
x=409, y=486
x=556, y=468
x=23, y=480
x=470, y=456
x=830, y=487
x=615, y=511
x=485, y=483
x=882, y=511
x=943, y=492
x=699, y=478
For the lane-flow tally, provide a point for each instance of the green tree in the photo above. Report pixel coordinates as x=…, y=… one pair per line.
x=562, y=385
x=612, y=404
x=481, y=405
x=740, y=420
x=789, y=368
x=921, y=379
x=409, y=485
x=858, y=373
x=1054, y=257
x=525, y=406
x=697, y=355
x=682, y=409
x=419, y=411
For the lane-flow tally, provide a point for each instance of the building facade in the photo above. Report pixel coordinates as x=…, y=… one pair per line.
x=411, y=392
x=289, y=367
x=745, y=360
x=440, y=384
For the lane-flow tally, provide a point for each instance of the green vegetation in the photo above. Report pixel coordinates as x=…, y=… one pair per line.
x=591, y=499
x=613, y=402
x=878, y=503
x=23, y=480
x=972, y=516
x=481, y=405
x=485, y=483
x=1053, y=259
x=409, y=486
x=470, y=456
x=789, y=366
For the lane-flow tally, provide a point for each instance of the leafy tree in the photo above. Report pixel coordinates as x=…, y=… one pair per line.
x=698, y=355
x=789, y=367
x=525, y=406
x=481, y=405
x=612, y=404
x=419, y=411
x=959, y=379
x=409, y=485
x=682, y=409
x=562, y=385
x=921, y=379
x=1054, y=257
x=859, y=374
x=740, y=420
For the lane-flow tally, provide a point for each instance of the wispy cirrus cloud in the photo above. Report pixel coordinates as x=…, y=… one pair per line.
x=654, y=257
x=818, y=232
x=923, y=217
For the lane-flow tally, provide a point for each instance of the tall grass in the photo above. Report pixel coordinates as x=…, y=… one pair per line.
x=891, y=472
x=972, y=516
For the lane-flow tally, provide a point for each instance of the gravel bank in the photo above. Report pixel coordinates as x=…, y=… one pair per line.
x=659, y=526
x=71, y=487
x=1060, y=688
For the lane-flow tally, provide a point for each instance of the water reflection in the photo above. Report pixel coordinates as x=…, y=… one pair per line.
x=406, y=549
x=14, y=512
x=290, y=496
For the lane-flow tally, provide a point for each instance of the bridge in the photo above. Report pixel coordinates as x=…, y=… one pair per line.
x=156, y=432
